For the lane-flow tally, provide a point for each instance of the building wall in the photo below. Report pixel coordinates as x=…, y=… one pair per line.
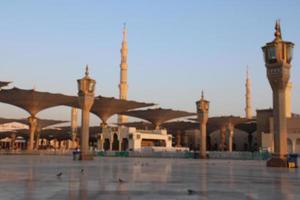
x=135, y=136
x=263, y=123
x=293, y=134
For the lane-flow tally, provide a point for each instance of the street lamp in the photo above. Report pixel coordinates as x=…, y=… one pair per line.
x=278, y=55
x=86, y=88
x=202, y=112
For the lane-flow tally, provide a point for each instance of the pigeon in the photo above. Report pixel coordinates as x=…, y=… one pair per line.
x=190, y=192
x=59, y=174
x=121, y=181
x=82, y=171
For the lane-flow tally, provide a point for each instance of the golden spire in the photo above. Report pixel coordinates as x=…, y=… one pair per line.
x=277, y=33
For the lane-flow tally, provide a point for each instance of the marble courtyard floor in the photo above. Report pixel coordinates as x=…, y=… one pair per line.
x=35, y=177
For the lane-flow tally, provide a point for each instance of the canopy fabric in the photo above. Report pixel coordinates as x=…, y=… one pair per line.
x=18, y=133
x=248, y=127
x=34, y=101
x=159, y=115
x=42, y=123
x=180, y=126
x=226, y=120
x=4, y=83
x=105, y=107
x=142, y=125
x=7, y=120
x=215, y=123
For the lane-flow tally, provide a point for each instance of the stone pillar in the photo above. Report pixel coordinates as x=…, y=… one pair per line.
x=86, y=104
x=222, y=138
x=178, y=139
x=280, y=124
x=110, y=144
x=13, y=141
x=120, y=145
x=86, y=87
x=288, y=96
x=37, y=142
x=231, y=133
x=202, y=112
x=100, y=142
x=185, y=140
x=294, y=146
x=33, y=122
x=74, y=126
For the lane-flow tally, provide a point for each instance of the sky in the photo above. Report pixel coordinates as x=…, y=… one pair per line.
x=175, y=50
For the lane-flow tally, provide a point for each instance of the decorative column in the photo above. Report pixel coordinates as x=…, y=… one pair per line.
x=178, y=138
x=37, y=141
x=278, y=57
x=185, y=140
x=231, y=133
x=13, y=141
x=202, y=111
x=222, y=137
x=33, y=122
x=74, y=126
x=120, y=144
x=86, y=87
x=100, y=142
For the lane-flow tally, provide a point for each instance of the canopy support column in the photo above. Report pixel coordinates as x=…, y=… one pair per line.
x=33, y=121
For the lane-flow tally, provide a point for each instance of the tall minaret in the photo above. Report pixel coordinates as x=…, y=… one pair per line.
x=248, y=109
x=123, y=87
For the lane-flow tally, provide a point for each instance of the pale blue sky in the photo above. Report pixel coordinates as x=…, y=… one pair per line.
x=176, y=49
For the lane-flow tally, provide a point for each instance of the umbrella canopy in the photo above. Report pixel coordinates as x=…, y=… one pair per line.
x=180, y=126
x=42, y=123
x=138, y=125
x=34, y=101
x=4, y=83
x=6, y=120
x=105, y=107
x=248, y=127
x=158, y=116
x=215, y=123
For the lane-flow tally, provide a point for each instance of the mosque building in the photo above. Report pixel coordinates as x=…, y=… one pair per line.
x=160, y=133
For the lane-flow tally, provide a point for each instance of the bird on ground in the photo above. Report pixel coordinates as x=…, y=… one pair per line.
x=121, y=181
x=59, y=174
x=190, y=192
x=82, y=171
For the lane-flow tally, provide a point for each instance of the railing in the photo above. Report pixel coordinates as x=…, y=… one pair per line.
x=240, y=155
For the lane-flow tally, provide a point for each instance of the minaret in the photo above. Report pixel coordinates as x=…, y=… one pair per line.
x=248, y=109
x=123, y=87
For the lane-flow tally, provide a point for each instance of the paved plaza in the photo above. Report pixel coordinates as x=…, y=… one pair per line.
x=35, y=177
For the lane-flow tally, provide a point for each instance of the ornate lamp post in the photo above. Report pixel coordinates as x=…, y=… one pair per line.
x=278, y=56
x=202, y=111
x=86, y=88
